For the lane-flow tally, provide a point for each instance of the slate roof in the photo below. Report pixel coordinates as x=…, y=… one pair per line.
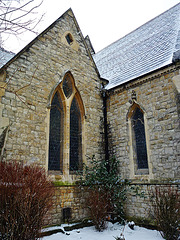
x=5, y=56
x=148, y=48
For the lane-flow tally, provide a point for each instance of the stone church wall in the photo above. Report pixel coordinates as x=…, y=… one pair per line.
x=30, y=80
x=32, y=77
x=67, y=197
x=158, y=96
x=139, y=207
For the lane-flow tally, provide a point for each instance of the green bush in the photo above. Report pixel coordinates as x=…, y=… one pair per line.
x=25, y=197
x=107, y=191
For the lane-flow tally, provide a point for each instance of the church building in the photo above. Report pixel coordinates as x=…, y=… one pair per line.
x=61, y=104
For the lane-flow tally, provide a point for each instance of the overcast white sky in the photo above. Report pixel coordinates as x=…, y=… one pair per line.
x=105, y=21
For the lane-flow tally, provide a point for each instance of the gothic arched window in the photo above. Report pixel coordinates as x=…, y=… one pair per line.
x=56, y=133
x=75, y=136
x=66, y=127
x=139, y=139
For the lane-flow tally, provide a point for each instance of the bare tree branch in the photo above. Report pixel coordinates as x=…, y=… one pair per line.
x=16, y=92
x=17, y=17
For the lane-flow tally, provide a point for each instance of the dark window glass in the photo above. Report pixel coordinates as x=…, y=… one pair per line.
x=75, y=137
x=56, y=131
x=140, y=139
x=67, y=86
x=69, y=38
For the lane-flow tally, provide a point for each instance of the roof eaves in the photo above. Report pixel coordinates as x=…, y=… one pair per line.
x=145, y=75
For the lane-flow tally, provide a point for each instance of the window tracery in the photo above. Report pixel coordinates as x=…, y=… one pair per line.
x=66, y=128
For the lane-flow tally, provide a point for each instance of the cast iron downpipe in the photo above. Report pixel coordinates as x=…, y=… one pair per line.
x=104, y=95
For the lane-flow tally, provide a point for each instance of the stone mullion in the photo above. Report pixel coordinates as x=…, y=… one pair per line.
x=66, y=142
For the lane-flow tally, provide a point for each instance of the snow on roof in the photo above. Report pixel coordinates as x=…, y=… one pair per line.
x=5, y=56
x=148, y=48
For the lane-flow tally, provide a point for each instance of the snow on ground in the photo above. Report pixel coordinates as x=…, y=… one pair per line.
x=113, y=230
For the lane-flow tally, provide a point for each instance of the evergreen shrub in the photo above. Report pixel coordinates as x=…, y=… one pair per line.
x=107, y=191
x=25, y=197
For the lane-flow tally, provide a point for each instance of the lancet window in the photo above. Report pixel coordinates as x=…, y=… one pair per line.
x=66, y=127
x=139, y=139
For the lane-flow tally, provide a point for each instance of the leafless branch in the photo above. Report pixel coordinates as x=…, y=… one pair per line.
x=16, y=17
x=16, y=92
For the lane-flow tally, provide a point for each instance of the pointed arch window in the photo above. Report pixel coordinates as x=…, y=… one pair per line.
x=56, y=133
x=139, y=139
x=139, y=147
x=75, y=136
x=66, y=128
